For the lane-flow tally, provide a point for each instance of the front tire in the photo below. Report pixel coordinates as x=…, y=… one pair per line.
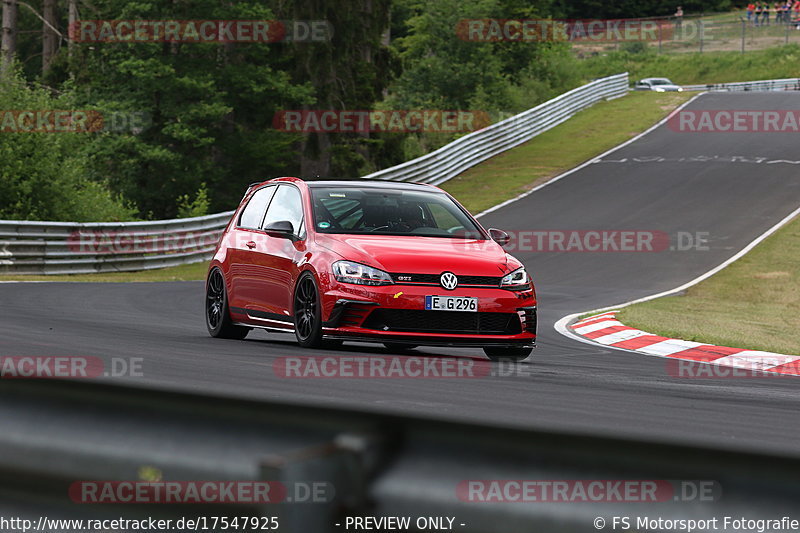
x=218, y=317
x=307, y=313
x=497, y=353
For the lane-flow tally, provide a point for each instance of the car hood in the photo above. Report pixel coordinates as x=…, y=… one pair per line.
x=421, y=255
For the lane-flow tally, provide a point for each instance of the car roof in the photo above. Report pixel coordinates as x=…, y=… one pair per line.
x=370, y=184
x=355, y=183
x=654, y=79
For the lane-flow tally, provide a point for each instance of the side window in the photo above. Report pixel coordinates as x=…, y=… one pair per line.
x=254, y=211
x=287, y=205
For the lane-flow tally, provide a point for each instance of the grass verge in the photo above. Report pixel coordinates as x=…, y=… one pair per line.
x=586, y=135
x=754, y=303
x=195, y=271
x=589, y=133
x=689, y=69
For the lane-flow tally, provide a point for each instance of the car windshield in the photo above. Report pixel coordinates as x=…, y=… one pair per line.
x=660, y=81
x=350, y=210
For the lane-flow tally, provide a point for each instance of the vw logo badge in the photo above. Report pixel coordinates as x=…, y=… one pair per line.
x=449, y=281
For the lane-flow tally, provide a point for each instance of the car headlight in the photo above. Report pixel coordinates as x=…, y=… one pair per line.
x=350, y=272
x=518, y=278
x=680, y=89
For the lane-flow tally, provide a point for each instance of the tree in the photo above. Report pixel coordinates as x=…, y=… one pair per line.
x=44, y=176
x=8, y=46
x=50, y=38
x=209, y=108
x=348, y=72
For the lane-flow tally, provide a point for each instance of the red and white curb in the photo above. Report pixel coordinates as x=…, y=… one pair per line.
x=605, y=329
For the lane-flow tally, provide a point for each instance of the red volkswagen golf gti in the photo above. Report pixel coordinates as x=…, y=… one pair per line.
x=396, y=263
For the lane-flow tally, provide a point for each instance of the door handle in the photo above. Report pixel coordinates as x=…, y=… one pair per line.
x=251, y=244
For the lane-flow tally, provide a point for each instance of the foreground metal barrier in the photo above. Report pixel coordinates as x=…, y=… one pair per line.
x=789, y=84
x=452, y=159
x=59, y=434
x=75, y=248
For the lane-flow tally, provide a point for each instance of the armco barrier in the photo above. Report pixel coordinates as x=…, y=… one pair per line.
x=75, y=248
x=367, y=464
x=454, y=158
x=72, y=248
x=788, y=84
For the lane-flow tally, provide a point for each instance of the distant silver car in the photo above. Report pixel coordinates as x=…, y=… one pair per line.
x=659, y=85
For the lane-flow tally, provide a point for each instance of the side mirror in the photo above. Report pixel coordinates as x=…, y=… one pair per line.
x=499, y=236
x=280, y=228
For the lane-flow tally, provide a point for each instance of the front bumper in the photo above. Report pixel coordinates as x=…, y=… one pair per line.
x=396, y=313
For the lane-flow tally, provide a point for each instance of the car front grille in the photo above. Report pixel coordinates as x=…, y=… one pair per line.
x=456, y=322
x=433, y=279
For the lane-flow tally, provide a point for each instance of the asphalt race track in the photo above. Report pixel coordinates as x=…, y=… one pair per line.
x=721, y=185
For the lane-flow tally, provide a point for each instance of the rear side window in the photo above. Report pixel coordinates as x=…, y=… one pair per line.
x=253, y=213
x=287, y=205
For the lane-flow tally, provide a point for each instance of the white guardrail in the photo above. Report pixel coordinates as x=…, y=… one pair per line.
x=452, y=159
x=788, y=84
x=82, y=248
x=75, y=248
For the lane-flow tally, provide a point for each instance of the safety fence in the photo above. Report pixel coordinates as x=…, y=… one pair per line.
x=72, y=248
x=33, y=248
x=788, y=84
x=454, y=158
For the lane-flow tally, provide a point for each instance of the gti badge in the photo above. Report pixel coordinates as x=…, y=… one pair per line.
x=449, y=281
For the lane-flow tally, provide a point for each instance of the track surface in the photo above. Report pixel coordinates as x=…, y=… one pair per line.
x=566, y=385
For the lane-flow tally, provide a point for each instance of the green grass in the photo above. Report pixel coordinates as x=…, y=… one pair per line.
x=195, y=271
x=689, y=69
x=752, y=304
x=588, y=134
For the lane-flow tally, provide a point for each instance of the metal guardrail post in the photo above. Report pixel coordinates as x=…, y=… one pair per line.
x=324, y=482
x=744, y=33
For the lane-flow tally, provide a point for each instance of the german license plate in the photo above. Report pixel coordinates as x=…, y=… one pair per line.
x=451, y=303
